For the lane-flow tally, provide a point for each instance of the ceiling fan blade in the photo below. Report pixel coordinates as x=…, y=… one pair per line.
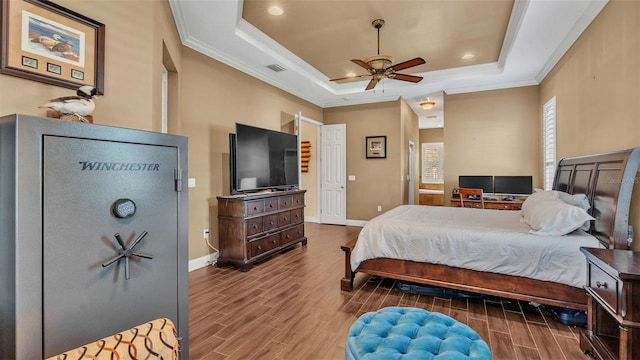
x=404, y=77
x=361, y=63
x=350, y=77
x=371, y=84
x=409, y=63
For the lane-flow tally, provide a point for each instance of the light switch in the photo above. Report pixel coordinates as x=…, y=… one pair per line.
x=192, y=182
x=352, y=178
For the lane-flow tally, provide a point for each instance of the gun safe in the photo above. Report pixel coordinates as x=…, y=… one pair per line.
x=93, y=234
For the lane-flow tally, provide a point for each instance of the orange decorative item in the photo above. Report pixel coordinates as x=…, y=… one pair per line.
x=305, y=155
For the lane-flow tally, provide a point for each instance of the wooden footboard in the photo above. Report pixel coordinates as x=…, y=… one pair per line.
x=508, y=286
x=346, y=284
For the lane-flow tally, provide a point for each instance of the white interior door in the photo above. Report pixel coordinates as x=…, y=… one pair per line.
x=333, y=199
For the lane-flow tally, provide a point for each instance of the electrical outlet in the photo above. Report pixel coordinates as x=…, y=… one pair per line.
x=379, y=208
x=205, y=234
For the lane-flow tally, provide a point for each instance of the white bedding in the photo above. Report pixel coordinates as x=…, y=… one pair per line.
x=484, y=240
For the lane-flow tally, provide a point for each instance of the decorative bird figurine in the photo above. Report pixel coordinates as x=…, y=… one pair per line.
x=80, y=105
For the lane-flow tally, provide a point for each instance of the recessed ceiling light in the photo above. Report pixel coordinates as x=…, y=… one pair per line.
x=468, y=56
x=275, y=11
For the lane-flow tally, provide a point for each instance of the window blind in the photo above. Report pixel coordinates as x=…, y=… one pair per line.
x=432, y=163
x=549, y=141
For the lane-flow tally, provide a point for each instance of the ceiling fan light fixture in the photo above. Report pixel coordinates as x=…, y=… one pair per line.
x=379, y=62
x=427, y=105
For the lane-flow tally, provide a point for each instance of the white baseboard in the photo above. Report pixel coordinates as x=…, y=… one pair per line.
x=349, y=222
x=357, y=222
x=203, y=261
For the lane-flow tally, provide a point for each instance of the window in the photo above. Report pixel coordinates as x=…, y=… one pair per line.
x=549, y=141
x=432, y=161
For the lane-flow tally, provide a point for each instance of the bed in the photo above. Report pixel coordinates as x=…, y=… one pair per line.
x=606, y=179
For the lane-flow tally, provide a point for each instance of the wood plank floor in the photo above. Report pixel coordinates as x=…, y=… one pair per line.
x=291, y=307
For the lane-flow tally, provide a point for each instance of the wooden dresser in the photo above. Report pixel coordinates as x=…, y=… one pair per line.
x=254, y=227
x=613, y=289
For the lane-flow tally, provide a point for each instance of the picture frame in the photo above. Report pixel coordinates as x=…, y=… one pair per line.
x=376, y=147
x=45, y=42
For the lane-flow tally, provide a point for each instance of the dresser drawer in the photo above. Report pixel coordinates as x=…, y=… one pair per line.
x=284, y=218
x=270, y=205
x=264, y=244
x=293, y=234
x=604, y=285
x=255, y=207
x=254, y=226
x=285, y=202
x=270, y=222
x=296, y=216
x=298, y=200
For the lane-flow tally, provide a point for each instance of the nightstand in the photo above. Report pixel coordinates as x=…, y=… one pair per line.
x=613, y=288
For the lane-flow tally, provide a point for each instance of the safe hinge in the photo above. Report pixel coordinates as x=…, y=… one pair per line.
x=178, y=179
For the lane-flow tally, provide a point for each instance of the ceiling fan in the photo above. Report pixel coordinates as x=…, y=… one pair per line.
x=380, y=66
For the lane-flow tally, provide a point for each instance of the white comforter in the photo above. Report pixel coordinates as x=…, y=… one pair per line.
x=477, y=239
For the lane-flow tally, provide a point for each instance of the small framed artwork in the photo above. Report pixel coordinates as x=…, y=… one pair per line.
x=376, y=147
x=36, y=32
x=54, y=68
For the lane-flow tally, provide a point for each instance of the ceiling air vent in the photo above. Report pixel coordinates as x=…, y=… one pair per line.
x=276, y=67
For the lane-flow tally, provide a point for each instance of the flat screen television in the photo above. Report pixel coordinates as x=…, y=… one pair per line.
x=513, y=185
x=484, y=182
x=262, y=159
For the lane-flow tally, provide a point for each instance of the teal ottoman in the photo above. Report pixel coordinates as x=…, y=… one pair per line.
x=411, y=333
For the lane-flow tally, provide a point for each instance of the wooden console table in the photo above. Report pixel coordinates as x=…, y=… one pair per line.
x=489, y=204
x=613, y=289
x=254, y=227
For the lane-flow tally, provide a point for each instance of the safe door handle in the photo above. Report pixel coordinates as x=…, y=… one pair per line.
x=601, y=285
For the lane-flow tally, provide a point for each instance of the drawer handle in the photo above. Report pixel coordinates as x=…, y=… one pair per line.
x=259, y=247
x=255, y=208
x=271, y=222
x=285, y=203
x=273, y=241
x=601, y=285
x=287, y=236
x=255, y=226
x=285, y=218
x=271, y=206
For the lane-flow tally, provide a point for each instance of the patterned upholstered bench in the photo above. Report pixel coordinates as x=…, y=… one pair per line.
x=152, y=340
x=411, y=333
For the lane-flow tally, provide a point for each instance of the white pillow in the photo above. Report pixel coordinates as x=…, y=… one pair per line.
x=537, y=196
x=553, y=216
x=579, y=200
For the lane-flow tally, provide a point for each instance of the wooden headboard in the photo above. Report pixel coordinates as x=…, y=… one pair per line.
x=607, y=180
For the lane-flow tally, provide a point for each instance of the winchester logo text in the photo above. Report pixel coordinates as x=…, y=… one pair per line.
x=118, y=166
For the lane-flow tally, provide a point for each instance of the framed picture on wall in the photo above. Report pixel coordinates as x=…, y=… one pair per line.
x=45, y=42
x=376, y=147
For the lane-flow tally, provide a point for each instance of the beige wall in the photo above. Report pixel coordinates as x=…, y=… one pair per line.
x=378, y=181
x=410, y=132
x=132, y=65
x=597, y=89
x=309, y=180
x=492, y=133
x=431, y=135
x=215, y=97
